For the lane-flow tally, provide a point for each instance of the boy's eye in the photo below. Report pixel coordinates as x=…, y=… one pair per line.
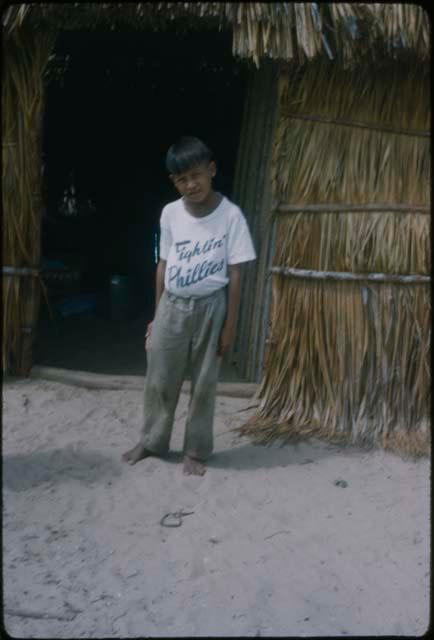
x=194, y=175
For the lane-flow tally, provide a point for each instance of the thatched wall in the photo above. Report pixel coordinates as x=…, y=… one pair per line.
x=25, y=56
x=349, y=349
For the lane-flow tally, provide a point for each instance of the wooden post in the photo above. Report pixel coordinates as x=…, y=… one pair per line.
x=253, y=194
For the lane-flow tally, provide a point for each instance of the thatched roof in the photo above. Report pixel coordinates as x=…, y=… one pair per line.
x=280, y=30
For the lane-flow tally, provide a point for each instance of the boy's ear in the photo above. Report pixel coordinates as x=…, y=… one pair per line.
x=213, y=168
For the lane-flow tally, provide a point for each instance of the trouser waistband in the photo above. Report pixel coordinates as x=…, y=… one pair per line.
x=194, y=300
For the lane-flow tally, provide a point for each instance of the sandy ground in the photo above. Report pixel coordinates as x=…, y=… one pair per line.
x=275, y=546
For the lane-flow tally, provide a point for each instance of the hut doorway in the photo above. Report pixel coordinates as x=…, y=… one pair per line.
x=115, y=102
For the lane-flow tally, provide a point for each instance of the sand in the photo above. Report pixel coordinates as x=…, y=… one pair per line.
x=300, y=540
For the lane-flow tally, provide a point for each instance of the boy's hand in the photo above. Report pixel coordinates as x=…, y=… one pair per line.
x=225, y=342
x=148, y=333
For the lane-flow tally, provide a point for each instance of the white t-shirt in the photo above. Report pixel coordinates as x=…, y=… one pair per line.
x=198, y=250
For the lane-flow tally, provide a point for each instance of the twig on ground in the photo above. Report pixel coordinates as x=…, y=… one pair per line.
x=122, y=615
x=251, y=406
x=276, y=534
x=22, y=613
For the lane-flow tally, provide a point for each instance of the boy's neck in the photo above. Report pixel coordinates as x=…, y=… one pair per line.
x=206, y=207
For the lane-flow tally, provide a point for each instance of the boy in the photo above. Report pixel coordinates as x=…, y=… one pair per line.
x=204, y=239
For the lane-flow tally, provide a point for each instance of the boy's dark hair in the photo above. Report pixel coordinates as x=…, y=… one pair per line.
x=186, y=153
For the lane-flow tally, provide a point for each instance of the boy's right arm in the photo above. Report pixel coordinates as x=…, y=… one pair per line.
x=159, y=288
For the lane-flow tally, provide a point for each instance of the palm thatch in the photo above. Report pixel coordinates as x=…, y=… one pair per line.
x=349, y=360
x=279, y=30
x=24, y=60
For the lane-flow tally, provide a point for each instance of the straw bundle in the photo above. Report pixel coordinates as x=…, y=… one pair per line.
x=25, y=56
x=349, y=360
x=280, y=30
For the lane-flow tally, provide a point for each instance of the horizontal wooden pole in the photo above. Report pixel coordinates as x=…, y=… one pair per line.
x=20, y=271
x=352, y=208
x=311, y=274
x=358, y=125
x=90, y=380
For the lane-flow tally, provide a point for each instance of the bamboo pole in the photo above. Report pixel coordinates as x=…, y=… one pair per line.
x=352, y=208
x=20, y=271
x=355, y=124
x=311, y=274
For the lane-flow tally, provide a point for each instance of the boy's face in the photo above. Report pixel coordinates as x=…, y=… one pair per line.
x=195, y=184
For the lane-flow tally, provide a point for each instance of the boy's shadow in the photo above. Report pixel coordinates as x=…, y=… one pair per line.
x=248, y=456
x=25, y=471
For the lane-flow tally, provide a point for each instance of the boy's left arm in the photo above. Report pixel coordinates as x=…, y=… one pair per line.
x=227, y=335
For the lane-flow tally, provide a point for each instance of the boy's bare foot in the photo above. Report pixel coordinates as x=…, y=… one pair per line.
x=135, y=454
x=193, y=467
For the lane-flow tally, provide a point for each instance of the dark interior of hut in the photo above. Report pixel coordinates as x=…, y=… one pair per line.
x=115, y=102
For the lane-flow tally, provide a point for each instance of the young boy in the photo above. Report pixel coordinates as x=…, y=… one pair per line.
x=204, y=239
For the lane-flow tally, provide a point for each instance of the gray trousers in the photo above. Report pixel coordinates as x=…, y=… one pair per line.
x=184, y=338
